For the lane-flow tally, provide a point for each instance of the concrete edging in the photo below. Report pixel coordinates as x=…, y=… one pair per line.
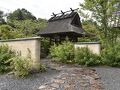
x=20, y=39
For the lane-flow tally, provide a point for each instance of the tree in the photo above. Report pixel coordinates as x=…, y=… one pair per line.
x=28, y=28
x=21, y=23
x=7, y=32
x=101, y=12
x=90, y=26
x=2, y=21
x=21, y=14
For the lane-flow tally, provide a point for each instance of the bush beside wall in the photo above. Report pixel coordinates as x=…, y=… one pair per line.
x=11, y=61
x=84, y=56
x=20, y=66
x=5, y=54
x=66, y=53
x=111, y=55
x=63, y=52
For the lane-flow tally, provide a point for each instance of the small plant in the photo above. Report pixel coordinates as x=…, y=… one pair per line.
x=21, y=66
x=42, y=68
x=84, y=56
x=11, y=61
x=5, y=54
x=63, y=52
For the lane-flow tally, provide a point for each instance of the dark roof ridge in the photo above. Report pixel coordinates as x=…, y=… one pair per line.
x=63, y=16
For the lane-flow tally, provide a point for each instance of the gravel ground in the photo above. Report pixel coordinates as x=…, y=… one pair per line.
x=8, y=82
x=110, y=77
x=57, y=77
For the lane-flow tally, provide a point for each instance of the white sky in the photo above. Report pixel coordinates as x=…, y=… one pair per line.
x=40, y=8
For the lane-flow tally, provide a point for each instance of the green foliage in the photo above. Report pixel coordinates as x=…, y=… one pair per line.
x=5, y=54
x=21, y=29
x=105, y=20
x=63, y=52
x=21, y=23
x=42, y=68
x=27, y=28
x=90, y=26
x=84, y=56
x=111, y=55
x=21, y=14
x=45, y=45
x=88, y=39
x=2, y=21
x=102, y=14
x=21, y=66
x=5, y=32
x=10, y=61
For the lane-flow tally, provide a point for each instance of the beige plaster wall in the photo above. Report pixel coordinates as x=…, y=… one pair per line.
x=26, y=46
x=93, y=46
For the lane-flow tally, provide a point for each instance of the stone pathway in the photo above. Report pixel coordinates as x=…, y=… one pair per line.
x=72, y=78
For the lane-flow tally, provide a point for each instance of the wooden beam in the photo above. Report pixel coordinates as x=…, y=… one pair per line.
x=54, y=14
x=71, y=10
x=62, y=12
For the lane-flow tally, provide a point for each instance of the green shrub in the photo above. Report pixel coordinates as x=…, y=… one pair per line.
x=63, y=52
x=84, y=56
x=42, y=68
x=10, y=61
x=21, y=66
x=5, y=54
x=111, y=55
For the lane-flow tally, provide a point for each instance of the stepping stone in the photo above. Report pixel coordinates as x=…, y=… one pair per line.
x=55, y=85
x=42, y=87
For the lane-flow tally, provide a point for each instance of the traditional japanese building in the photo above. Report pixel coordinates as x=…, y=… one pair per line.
x=62, y=25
